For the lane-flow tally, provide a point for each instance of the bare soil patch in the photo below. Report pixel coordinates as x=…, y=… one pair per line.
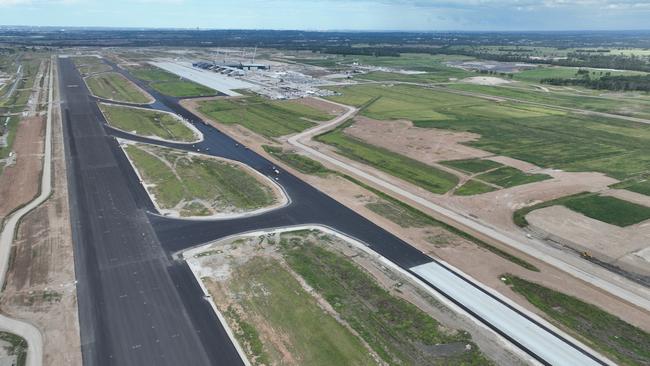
x=428, y=145
x=19, y=183
x=608, y=243
x=486, y=80
x=626, y=195
x=40, y=286
x=322, y=105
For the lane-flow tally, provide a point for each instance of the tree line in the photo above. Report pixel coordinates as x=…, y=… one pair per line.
x=606, y=82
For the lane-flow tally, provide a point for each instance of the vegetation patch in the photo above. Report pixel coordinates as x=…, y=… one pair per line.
x=603, y=208
x=148, y=123
x=625, y=106
x=403, y=167
x=638, y=185
x=17, y=347
x=472, y=187
x=183, y=89
x=266, y=117
x=472, y=165
x=90, y=65
x=509, y=177
x=543, y=136
x=194, y=185
x=398, y=214
x=297, y=161
x=423, y=217
x=312, y=337
x=626, y=343
x=398, y=331
x=170, y=84
x=111, y=85
x=608, y=209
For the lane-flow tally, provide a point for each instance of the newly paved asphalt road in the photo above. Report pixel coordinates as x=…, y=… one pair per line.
x=137, y=306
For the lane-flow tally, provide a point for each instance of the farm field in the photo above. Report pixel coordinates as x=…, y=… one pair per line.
x=113, y=86
x=545, y=137
x=265, y=117
x=603, y=208
x=170, y=84
x=403, y=167
x=148, y=123
x=603, y=331
x=186, y=184
x=375, y=326
x=635, y=107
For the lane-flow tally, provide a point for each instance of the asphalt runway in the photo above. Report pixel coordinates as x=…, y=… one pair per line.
x=137, y=305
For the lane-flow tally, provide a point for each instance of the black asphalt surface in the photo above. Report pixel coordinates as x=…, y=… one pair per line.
x=137, y=306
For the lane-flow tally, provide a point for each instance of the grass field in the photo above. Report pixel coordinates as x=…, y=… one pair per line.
x=627, y=344
x=90, y=65
x=543, y=136
x=473, y=187
x=536, y=74
x=636, y=107
x=415, y=218
x=170, y=84
x=399, y=332
x=637, y=184
x=114, y=86
x=410, y=170
x=265, y=117
x=300, y=162
x=609, y=209
x=472, y=165
x=400, y=215
x=147, y=123
x=507, y=177
x=198, y=186
x=311, y=336
x=604, y=208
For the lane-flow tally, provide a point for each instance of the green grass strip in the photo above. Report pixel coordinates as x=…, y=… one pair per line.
x=414, y=211
x=605, y=332
x=398, y=331
x=400, y=166
x=300, y=162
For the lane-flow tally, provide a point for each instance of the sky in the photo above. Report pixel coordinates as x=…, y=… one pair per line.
x=415, y=15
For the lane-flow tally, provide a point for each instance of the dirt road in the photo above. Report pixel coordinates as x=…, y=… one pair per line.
x=29, y=332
